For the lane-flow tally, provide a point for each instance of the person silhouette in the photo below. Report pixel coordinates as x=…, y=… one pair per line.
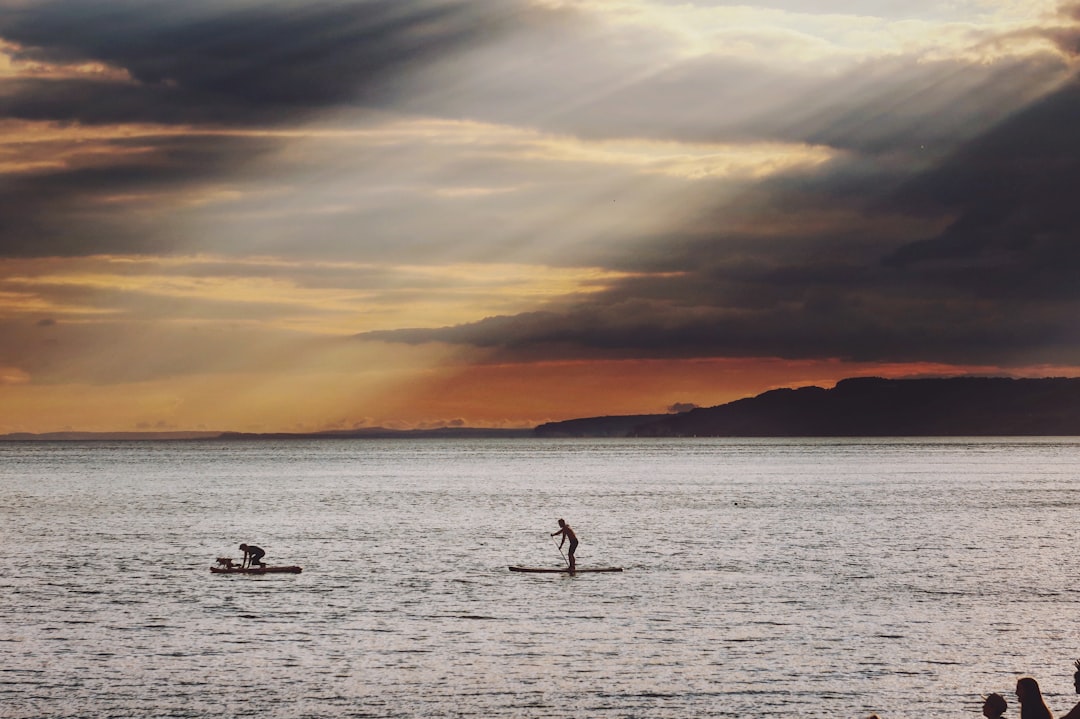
x=252, y=555
x=568, y=533
x=1032, y=704
x=994, y=705
x=1074, y=713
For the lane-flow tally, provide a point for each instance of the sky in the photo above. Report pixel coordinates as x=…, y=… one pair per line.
x=274, y=215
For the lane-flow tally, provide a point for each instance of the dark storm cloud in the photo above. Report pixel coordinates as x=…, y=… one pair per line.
x=973, y=260
x=1015, y=232
x=67, y=211
x=222, y=64
x=828, y=322
x=209, y=61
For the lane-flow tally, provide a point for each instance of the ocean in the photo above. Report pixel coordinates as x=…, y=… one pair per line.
x=809, y=577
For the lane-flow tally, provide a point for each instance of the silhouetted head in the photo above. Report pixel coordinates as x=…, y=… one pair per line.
x=243, y=547
x=1032, y=705
x=994, y=706
x=562, y=522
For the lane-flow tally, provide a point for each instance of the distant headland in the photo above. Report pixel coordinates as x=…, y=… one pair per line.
x=856, y=407
x=866, y=407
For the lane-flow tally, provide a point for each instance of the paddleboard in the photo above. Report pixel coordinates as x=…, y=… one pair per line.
x=256, y=570
x=564, y=570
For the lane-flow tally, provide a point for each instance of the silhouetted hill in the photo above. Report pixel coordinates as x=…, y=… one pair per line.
x=875, y=407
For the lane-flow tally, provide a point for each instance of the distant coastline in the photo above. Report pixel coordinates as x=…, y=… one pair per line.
x=855, y=407
x=365, y=433
x=870, y=407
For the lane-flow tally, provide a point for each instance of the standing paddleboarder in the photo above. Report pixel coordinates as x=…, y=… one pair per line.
x=567, y=533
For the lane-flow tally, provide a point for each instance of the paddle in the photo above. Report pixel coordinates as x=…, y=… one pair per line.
x=560, y=550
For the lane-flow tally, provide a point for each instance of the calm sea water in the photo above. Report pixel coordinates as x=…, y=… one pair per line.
x=763, y=578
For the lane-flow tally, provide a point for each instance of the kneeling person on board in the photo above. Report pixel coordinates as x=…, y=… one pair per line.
x=567, y=533
x=252, y=555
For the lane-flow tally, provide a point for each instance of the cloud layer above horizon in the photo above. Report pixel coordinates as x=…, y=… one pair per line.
x=300, y=215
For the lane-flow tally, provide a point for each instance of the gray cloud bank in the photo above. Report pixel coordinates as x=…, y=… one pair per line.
x=998, y=281
x=945, y=229
x=204, y=64
x=968, y=257
x=226, y=63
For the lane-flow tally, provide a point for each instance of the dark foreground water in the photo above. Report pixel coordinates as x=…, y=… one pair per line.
x=763, y=578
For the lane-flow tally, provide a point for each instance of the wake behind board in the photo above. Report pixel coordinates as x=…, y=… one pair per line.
x=256, y=570
x=563, y=570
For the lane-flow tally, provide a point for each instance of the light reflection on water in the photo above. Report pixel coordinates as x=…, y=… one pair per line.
x=824, y=578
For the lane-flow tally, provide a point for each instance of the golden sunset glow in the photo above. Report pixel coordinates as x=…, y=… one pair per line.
x=12, y=64
x=411, y=296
